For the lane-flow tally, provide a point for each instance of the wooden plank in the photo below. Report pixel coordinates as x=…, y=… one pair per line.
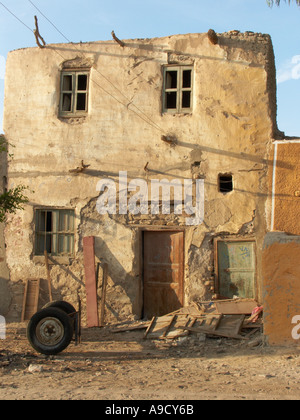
x=210, y=332
x=236, y=307
x=217, y=322
x=169, y=326
x=178, y=332
x=149, y=327
x=103, y=294
x=31, y=299
x=48, y=276
x=37, y=295
x=209, y=321
x=24, y=301
x=226, y=326
x=230, y=324
x=142, y=326
x=90, y=281
x=159, y=326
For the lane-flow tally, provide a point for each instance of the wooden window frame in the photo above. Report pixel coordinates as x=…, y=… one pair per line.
x=74, y=92
x=50, y=239
x=216, y=260
x=179, y=90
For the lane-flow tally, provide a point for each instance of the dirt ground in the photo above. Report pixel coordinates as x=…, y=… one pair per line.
x=124, y=366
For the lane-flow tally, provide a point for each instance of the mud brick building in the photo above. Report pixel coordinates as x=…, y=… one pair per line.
x=184, y=107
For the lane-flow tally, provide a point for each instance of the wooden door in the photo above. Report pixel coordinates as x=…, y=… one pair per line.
x=236, y=268
x=163, y=272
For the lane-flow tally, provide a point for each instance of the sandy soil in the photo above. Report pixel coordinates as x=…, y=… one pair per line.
x=124, y=366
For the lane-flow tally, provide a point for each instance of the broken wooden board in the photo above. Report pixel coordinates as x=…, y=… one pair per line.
x=173, y=331
x=235, y=307
x=158, y=325
x=48, y=276
x=141, y=326
x=103, y=295
x=173, y=325
x=216, y=333
x=228, y=326
x=168, y=326
x=31, y=299
x=231, y=324
x=90, y=281
x=189, y=310
x=208, y=321
x=178, y=324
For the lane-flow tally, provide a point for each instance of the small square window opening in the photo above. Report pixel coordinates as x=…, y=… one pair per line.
x=225, y=183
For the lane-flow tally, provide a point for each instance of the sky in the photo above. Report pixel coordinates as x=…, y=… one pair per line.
x=93, y=20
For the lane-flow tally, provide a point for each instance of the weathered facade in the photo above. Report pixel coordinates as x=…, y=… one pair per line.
x=281, y=250
x=180, y=107
x=5, y=298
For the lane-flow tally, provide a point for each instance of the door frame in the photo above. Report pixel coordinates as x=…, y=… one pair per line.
x=216, y=263
x=170, y=229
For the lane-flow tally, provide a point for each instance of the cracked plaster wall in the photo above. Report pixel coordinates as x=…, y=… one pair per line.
x=229, y=131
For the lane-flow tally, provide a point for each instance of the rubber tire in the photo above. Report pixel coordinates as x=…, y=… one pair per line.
x=66, y=338
x=61, y=304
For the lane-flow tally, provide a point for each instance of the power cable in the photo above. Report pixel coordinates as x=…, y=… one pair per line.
x=31, y=30
x=152, y=123
x=55, y=27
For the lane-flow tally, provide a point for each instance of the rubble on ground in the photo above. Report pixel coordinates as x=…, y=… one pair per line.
x=232, y=319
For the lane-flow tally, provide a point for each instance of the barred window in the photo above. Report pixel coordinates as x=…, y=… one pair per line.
x=54, y=232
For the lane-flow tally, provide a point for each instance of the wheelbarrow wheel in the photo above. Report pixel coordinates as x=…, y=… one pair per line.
x=61, y=304
x=50, y=331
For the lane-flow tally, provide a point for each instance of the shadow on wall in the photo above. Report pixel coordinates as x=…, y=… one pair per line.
x=123, y=296
x=5, y=296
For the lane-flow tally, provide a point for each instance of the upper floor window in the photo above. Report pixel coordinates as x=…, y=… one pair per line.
x=178, y=89
x=54, y=232
x=74, y=93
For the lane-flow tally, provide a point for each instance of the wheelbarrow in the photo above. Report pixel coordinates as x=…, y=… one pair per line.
x=51, y=330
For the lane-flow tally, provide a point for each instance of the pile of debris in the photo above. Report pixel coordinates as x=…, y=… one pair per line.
x=230, y=318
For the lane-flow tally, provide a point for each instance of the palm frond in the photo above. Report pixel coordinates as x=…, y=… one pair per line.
x=277, y=2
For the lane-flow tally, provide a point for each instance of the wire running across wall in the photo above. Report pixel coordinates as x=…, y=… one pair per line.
x=141, y=114
x=129, y=105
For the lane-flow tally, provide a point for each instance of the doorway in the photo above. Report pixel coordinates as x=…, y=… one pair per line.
x=163, y=272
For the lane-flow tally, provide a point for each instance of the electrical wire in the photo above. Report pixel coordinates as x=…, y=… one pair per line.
x=128, y=101
x=126, y=105
x=31, y=30
x=55, y=27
